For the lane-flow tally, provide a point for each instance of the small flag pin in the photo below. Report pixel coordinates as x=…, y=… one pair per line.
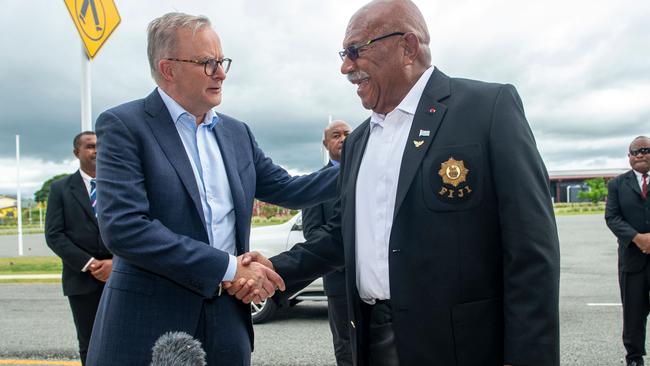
x=425, y=133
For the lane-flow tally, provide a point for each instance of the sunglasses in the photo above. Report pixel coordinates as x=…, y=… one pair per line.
x=640, y=151
x=352, y=52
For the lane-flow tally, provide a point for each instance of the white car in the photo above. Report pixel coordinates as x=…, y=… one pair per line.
x=272, y=240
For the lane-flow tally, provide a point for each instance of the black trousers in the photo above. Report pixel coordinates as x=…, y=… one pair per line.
x=337, y=310
x=635, y=293
x=380, y=345
x=84, y=308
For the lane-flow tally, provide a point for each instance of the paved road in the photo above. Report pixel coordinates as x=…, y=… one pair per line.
x=33, y=245
x=36, y=321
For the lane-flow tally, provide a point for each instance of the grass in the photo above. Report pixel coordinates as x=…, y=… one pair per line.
x=580, y=208
x=30, y=265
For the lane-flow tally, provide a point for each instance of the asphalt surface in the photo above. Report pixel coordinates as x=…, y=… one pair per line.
x=33, y=245
x=36, y=321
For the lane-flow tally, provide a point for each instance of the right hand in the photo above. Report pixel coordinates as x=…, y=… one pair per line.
x=255, y=279
x=643, y=242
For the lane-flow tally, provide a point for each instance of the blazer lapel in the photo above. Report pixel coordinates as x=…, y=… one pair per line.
x=633, y=183
x=428, y=117
x=229, y=156
x=80, y=193
x=164, y=131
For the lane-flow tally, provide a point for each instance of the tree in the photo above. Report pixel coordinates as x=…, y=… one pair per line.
x=597, y=190
x=42, y=194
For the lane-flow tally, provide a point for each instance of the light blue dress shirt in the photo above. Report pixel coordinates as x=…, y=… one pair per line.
x=201, y=146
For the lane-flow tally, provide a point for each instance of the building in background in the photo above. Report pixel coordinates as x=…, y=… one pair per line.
x=565, y=184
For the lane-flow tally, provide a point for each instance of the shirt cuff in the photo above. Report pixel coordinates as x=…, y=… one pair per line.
x=232, y=269
x=85, y=269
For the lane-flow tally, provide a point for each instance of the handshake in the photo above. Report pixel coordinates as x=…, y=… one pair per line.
x=255, y=280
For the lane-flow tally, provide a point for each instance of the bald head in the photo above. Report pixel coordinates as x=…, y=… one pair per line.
x=334, y=136
x=639, y=154
x=387, y=16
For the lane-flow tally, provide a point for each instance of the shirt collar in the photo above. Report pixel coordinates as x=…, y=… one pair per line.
x=177, y=112
x=639, y=176
x=85, y=176
x=410, y=102
x=334, y=162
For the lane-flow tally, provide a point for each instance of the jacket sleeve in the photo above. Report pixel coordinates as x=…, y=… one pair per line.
x=531, y=257
x=275, y=185
x=614, y=217
x=55, y=231
x=125, y=222
x=312, y=219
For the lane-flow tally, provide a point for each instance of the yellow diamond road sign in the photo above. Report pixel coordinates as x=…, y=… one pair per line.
x=95, y=21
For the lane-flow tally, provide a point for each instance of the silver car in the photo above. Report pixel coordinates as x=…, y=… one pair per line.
x=272, y=240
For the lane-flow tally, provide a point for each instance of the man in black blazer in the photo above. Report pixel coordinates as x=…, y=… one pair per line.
x=312, y=219
x=444, y=224
x=628, y=216
x=71, y=231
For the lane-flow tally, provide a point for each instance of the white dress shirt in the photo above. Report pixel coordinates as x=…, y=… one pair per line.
x=86, y=179
x=202, y=149
x=377, y=190
x=639, y=179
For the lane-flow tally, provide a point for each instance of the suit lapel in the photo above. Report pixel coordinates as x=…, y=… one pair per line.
x=229, y=156
x=633, y=183
x=426, y=122
x=80, y=193
x=164, y=131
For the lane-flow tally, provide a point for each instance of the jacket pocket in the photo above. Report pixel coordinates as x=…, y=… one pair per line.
x=138, y=283
x=452, y=178
x=478, y=332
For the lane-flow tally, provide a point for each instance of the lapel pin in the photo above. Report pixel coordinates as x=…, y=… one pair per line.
x=418, y=143
x=425, y=133
x=432, y=110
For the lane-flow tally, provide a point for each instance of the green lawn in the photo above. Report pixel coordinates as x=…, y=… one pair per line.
x=30, y=265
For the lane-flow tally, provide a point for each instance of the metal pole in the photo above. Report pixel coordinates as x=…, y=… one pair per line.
x=568, y=194
x=40, y=216
x=18, y=198
x=86, y=97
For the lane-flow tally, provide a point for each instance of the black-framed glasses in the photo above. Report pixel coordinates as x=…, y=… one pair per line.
x=640, y=151
x=210, y=65
x=352, y=52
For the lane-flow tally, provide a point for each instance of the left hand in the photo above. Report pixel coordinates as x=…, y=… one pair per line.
x=101, y=269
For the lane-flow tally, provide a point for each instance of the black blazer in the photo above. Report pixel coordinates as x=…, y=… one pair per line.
x=312, y=219
x=474, y=267
x=71, y=231
x=627, y=214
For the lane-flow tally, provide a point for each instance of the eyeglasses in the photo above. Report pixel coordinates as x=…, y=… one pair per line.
x=210, y=65
x=640, y=151
x=352, y=52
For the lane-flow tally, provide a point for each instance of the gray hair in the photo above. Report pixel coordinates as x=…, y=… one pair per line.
x=161, y=36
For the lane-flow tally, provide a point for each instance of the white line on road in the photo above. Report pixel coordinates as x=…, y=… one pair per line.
x=604, y=304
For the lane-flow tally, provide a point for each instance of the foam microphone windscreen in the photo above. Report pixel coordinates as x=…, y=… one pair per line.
x=177, y=349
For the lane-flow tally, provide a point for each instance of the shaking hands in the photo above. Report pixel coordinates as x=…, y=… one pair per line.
x=255, y=280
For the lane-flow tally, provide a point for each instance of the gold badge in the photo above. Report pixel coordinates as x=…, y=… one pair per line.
x=418, y=143
x=453, y=172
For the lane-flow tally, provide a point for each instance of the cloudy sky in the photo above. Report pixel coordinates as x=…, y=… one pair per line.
x=582, y=68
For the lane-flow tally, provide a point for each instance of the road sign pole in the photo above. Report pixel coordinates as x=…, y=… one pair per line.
x=86, y=98
x=19, y=207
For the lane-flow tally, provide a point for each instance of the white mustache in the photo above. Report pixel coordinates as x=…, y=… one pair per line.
x=357, y=75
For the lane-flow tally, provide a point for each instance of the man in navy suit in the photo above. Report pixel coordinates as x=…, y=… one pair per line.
x=176, y=183
x=71, y=231
x=628, y=216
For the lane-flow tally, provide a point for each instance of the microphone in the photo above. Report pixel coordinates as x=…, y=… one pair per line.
x=177, y=349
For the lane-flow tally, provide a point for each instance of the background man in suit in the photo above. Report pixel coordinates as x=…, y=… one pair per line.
x=628, y=216
x=176, y=183
x=71, y=231
x=312, y=219
x=445, y=222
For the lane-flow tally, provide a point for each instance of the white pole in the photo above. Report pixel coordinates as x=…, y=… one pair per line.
x=86, y=98
x=324, y=152
x=18, y=198
x=568, y=194
x=40, y=216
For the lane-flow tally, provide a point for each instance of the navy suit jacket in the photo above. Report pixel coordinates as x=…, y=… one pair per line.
x=151, y=218
x=474, y=262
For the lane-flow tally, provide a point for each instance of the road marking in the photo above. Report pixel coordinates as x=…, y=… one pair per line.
x=604, y=304
x=39, y=362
